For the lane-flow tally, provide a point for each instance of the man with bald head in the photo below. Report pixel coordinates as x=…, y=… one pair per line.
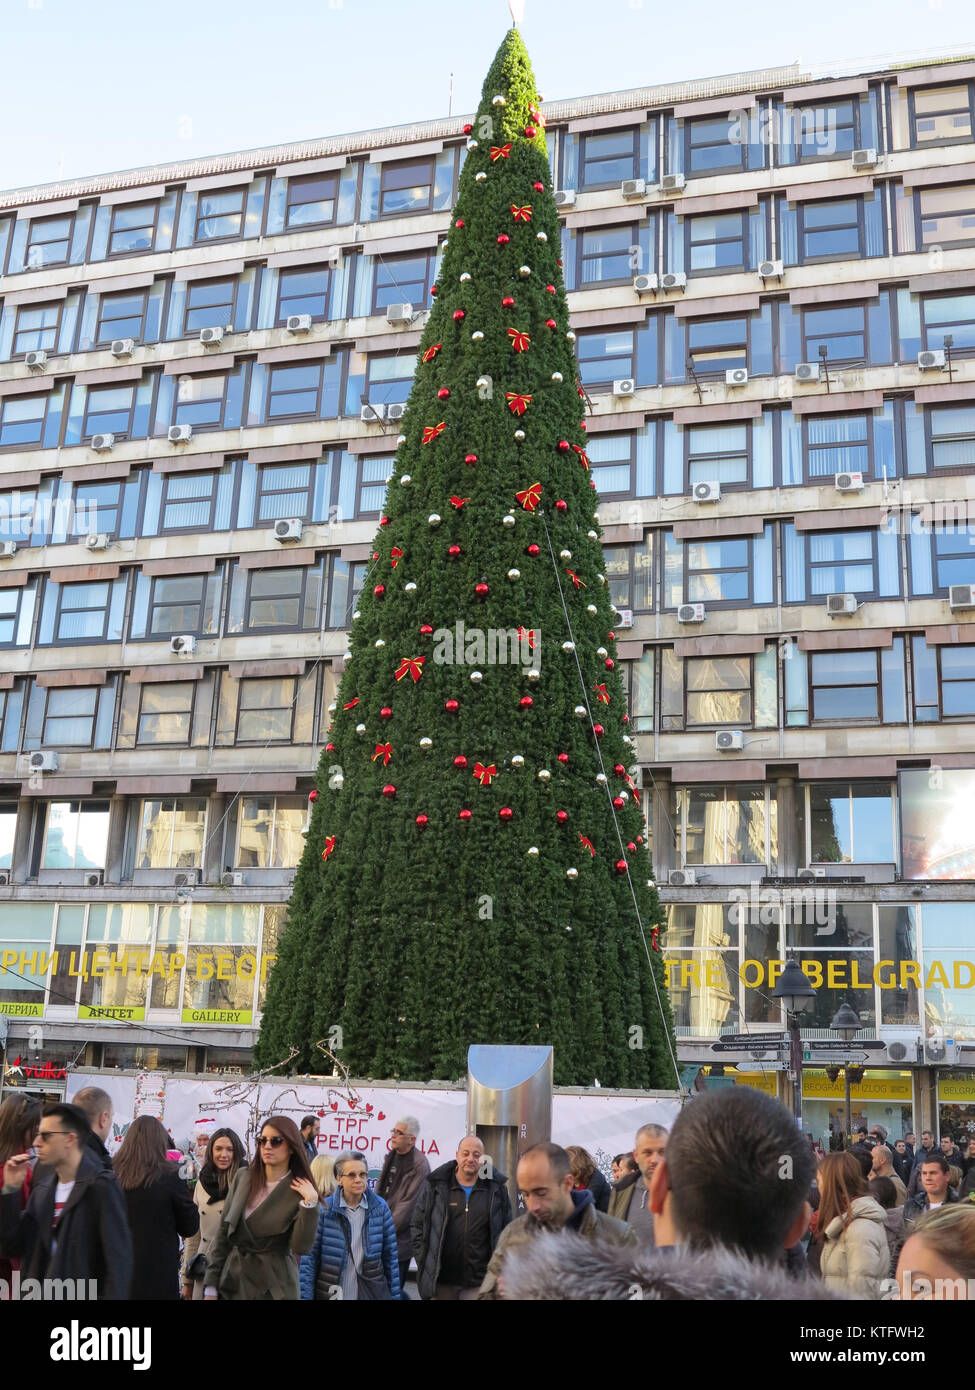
x=630, y=1201
x=459, y=1215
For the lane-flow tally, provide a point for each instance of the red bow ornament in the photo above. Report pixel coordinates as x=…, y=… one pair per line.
x=500, y=152
x=458, y=502
x=431, y=352
x=484, y=774
x=329, y=846
x=411, y=666
x=531, y=497
x=521, y=342
x=517, y=402
x=576, y=580
x=521, y=214
x=588, y=845
x=602, y=695
x=352, y=703
x=530, y=634
x=583, y=456
x=395, y=556
x=655, y=938
x=384, y=751
x=431, y=431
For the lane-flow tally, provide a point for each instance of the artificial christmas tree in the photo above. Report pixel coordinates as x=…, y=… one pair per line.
x=475, y=869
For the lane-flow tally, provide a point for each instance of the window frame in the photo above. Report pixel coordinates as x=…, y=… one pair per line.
x=20, y=446
x=18, y=591
x=125, y=433
x=101, y=338
x=806, y=789
x=289, y=202
x=686, y=435
x=172, y=805
x=631, y=436
x=740, y=267
x=35, y=222
x=632, y=229
x=260, y=491
x=203, y=217
x=862, y=595
x=138, y=741
x=249, y=630
x=915, y=143
x=280, y=319
x=316, y=363
x=151, y=634
x=57, y=640
x=942, y=683
x=387, y=167
x=165, y=501
x=821, y=479
x=17, y=354
x=957, y=353
x=81, y=803
x=384, y=262
x=869, y=720
x=201, y=427
x=827, y=107
x=594, y=186
x=189, y=308
x=683, y=794
x=113, y=230
x=603, y=385
x=930, y=440
x=353, y=593
x=812, y=355
x=291, y=708
x=801, y=231
x=717, y=373
x=711, y=170
x=49, y=740
x=953, y=244
x=748, y=568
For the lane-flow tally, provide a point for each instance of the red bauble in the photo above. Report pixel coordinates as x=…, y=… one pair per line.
x=481, y=590
x=468, y=128
x=598, y=730
x=384, y=521
x=526, y=702
x=389, y=789
x=459, y=314
x=426, y=630
x=631, y=847
x=611, y=636
x=532, y=549
x=563, y=757
x=550, y=323
x=559, y=263
x=375, y=554
x=443, y=393
x=330, y=748
x=313, y=796
x=505, y=813
x=422, y=821
x=621, y=866
x=385, y=712
x=463, y=815
x=561, y=817
x=561, y=505
x=452, y=706
x=550, y=288
x=459, y=222
x=460, y=760
x=626, y=719
x=508, y=302
x=564, y=446
x=610, y=663
x=639, y=839
x=379, y=590
x=530, y=132
x=470, y=459
x=433, y=291
x=619, y=802
x=503, y=239
x=538, y=187
x=584, y=426
x=453, y=551
x=620, y=770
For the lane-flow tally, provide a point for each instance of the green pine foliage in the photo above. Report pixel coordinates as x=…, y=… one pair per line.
x=419, y=941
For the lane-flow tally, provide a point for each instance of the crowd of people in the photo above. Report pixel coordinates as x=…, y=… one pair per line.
x=733, y=1202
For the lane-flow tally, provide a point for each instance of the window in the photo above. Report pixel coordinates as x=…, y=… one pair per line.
x=22, y=420
x=75, y=835
x=83, y=612
x=37, y=328
x=710, y=149
x=845, y=685
x=269, y=832
x=705, y=692
x=179, y=603
x=946, y=216
x=133, y=229
x=8, y=826
x=403, y=280
x=372, y=473
x=171, y=833
x=389, y=379
x=953, y=557
x=200, y=401
x=406, y=186
x=295, y=392
x=220, y=215
x=829, y=230
x=16, y=614
x=108, y=410
x=842, y=331
x=188, y=502
x=606, y=256
x=275, y=599
x=847, y=823
x=716, y=346
x=283, y=490
x=944, y=681
x=165, y=713
x=717, y=453
x=941, y=114
x=717, y=571
x=836, y=444
x=17, y=512
x=96, y=509
x=716, y=244
x=609, y=157
x=69, y=718
x=843, y=562
x=209, y=304
x=605, y=356
x=949, y=315
x=629, y=572
x=303, y=291
x=611, y=463
x=121, y=316
x=48, y=241
x=311, y=203
x=951, y=431
x=727, y=825
x=345, y=585
x=266, y=710
x=831, y=133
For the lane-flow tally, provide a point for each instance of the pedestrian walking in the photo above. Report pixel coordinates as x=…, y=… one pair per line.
x=160, y=1208
x=854, y=1258
x=354, y=1255
x=223, y=1158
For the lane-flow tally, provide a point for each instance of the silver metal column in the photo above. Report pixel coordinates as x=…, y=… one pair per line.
x=509, y=1104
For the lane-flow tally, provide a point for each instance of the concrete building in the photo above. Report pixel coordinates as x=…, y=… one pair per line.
x=772, y=279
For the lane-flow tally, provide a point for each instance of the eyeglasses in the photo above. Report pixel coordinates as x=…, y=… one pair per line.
x=274, y=1142
x=43, y=1135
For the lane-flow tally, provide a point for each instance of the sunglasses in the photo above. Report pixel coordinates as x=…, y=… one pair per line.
x=43, y=1135
x=274, y=1142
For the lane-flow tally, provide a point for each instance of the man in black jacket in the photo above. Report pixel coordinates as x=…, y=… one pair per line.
x=98, y=1110
x=461, y=1211
x=74, y=1225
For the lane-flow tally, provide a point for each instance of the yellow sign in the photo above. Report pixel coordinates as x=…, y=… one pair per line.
x=829, y=972
x=816, y=1086
x=758, y=1080
x=22, y=1010
x=101, y=962
x=242, y=1017
x=114, y=1012
x=960, y=1092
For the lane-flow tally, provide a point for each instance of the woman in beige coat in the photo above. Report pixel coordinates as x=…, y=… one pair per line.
x=854, y=1259
x=224, y=1156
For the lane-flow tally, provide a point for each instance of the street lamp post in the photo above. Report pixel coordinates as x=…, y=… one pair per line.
x=794, y=991
x=847, y=1023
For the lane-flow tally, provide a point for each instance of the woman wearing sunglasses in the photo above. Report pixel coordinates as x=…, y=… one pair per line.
x=270, y=1216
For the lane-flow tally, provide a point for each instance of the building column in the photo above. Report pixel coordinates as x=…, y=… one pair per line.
x=115, y=847
x=790, y=851
x=20, y=859
x=213, y=854
x=659, y=819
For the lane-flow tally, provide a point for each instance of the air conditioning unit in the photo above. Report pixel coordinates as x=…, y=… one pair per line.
x=96, y=541
x=43, y=762
x=933, y=360
x=673, y=280
x=624, y=387
x=645, y=284
x=633, y=188
x=625, y=617
x=287, y=529
x=941, y=1052
x=706, y=492
x=4, y=878
x=179, y=434
x=187, y=878
x=808, y=371
x=298, y=323
x=672, y=183
x=565, y=198
x=841, y=605
x=690, y=613
x=812, y=871
x=864, y=159
x=848, y=482
x=961, y=596
x=95, y=878
x=8, y=549
x=395, y=411
x=770, y=270
x=736, y=376
x=102, y=443
x=122, y=347
x=399, y=313
x=681, y=878
x=36, y=361
x=232, y=880
x=372, y=414
x=184, y=645
x=904, y=1047
x=209, y=337
x=729, y=740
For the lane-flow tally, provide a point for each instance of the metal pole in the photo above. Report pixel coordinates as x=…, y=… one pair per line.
x=846, y=1079
x=795, y=1067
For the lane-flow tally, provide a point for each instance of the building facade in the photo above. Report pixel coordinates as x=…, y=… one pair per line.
x=772, y=282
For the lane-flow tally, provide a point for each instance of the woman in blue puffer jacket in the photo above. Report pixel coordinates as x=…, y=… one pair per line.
x=354, y=1255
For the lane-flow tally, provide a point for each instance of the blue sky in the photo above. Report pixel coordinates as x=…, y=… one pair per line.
x=92, y=86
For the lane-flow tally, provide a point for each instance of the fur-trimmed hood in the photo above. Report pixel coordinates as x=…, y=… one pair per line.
x=563, y=1266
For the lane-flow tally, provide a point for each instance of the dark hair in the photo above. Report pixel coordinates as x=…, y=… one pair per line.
x=297, y=1161
x=944, y=1137
x=725, y=1159
x=72, y=1119
x=141, y=1159
x=939, y=1159
x=865, y=1161
x=20, y=1118
x=841, y=1180
x=558, y=1158
x=308, y=1120
x=884, y=1191
x=218, y=1180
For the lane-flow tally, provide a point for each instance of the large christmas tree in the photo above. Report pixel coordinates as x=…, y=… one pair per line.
x=476, y=871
